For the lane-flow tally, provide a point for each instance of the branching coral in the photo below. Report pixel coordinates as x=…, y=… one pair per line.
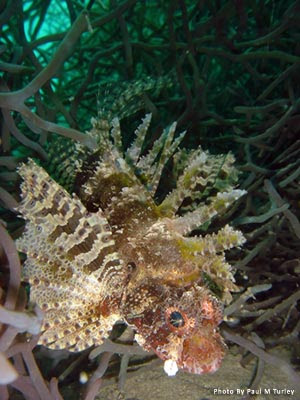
x=230, y=78
x=14, y=322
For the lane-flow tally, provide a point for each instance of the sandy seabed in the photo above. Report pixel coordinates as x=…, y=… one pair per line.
x=227, y=383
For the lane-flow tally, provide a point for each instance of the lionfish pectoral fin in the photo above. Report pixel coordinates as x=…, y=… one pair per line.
x=70, y=252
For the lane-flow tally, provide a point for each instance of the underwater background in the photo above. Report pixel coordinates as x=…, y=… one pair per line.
x=228, y=73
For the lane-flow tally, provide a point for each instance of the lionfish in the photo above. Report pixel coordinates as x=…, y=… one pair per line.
x=112, y=250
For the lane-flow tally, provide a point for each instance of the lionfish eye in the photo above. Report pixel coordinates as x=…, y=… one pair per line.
x=131, y=266
x=176, y=319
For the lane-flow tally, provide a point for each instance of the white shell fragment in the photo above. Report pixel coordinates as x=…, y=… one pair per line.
x=170, y=367
x=83, y=377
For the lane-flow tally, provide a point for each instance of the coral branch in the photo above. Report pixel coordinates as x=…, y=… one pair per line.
x=267, y=357
x=8, y=372
x=10, y=251
x=22, y=321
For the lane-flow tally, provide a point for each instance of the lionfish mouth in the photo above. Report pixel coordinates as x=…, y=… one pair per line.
x=199, y=355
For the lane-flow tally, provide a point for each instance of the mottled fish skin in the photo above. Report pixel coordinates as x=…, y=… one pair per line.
x=111, y=252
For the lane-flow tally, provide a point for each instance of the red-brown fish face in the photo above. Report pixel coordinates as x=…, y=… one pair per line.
x=181, y=327
x=202, y=353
